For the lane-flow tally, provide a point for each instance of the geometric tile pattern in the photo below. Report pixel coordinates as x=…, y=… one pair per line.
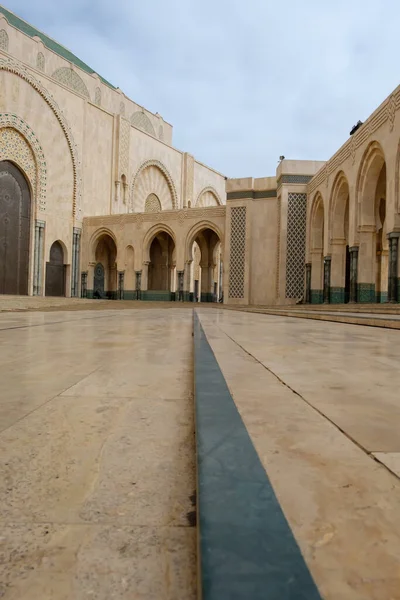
x=97, y=96
x=124, y=139
x=19, y=144
x=40, y=64
x=237, y=252
x=140, y=120
x=296, y=245
x=152, y=204
x=70, y=79
x=4, y=40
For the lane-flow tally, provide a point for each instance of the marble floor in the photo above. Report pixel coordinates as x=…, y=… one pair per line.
x=321, y=403
x=97, y=455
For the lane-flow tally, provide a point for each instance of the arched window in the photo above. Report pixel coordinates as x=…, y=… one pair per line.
x=70, y=79
x=97, y=96
x=122, y=109
x=4, y=40
x=152, y=204
x=40, y=64
x=140, y=120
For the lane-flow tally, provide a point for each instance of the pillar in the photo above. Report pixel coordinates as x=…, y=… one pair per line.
x=317, y=277
x=145, y=275
x=138, y=285
x=353, y=273
x=117, y=187
x=76, y=250
x=84, y=278
x=366, y=274
x=393, y=286
x=221, y=282
x=90, y=280
x=338, y=271
x=327, y=279
x=125, y=192
x=121, y=279
x=38, y=258
x=207, y=271
x=308, y=283
x=187, y=294
x=180, y=296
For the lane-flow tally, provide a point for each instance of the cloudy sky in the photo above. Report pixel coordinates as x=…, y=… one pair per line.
x=241, y=81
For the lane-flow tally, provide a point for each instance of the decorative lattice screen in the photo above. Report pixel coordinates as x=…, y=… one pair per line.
x=296, y=245
x=237, y=252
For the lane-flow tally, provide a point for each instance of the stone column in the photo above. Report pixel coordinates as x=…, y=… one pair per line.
x=186, y=280
x=38, y=258
x=180, y=285
x=366, y=273
x=121, y=279
x=393, y=295
x=125, y=192
x=76, y=248
x=353, y=273
x=327, y=279
x=84, y=278
x=117, y=187
x=308, y=283
x=90, y=280
x=221, y=282
x=145, y=275
x=138, y=275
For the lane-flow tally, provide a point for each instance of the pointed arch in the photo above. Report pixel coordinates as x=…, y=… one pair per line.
x=3, y=40
x=194, y=233
x=17, y=69
x=140, y=120
x=209, y=190
x=337, y=206
x=102, y=231
x=40, y=61
x=151, y=234
x=35, y=167
x=368, y=175
x=317, y=218
x=72, y=80
x=165, y=173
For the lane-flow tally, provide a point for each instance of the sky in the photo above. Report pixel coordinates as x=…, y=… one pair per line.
x=241, y=81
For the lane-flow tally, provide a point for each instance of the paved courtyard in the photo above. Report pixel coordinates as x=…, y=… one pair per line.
x=321, y=403
x=98, y=458
x=97, y=455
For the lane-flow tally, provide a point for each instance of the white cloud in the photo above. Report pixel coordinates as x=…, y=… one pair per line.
x=242, y=82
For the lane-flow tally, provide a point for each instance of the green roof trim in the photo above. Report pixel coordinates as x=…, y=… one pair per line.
x=49, y=43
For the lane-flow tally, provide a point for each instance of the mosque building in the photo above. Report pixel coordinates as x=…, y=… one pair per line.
x=95, y=201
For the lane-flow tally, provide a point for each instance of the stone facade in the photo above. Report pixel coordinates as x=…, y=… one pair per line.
x=133, y=217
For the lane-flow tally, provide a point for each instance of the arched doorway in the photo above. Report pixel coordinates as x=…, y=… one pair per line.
x=105, y=270
x=55, y=271
x=317, y=250
x=205, y=266
x=162, y=266
x=339, y=239
x=373, y=254
x=15, y=219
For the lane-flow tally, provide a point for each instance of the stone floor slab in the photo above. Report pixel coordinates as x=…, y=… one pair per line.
x=342, y=505
x=97, y=478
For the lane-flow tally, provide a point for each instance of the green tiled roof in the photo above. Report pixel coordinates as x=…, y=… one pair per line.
x=48, y=42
